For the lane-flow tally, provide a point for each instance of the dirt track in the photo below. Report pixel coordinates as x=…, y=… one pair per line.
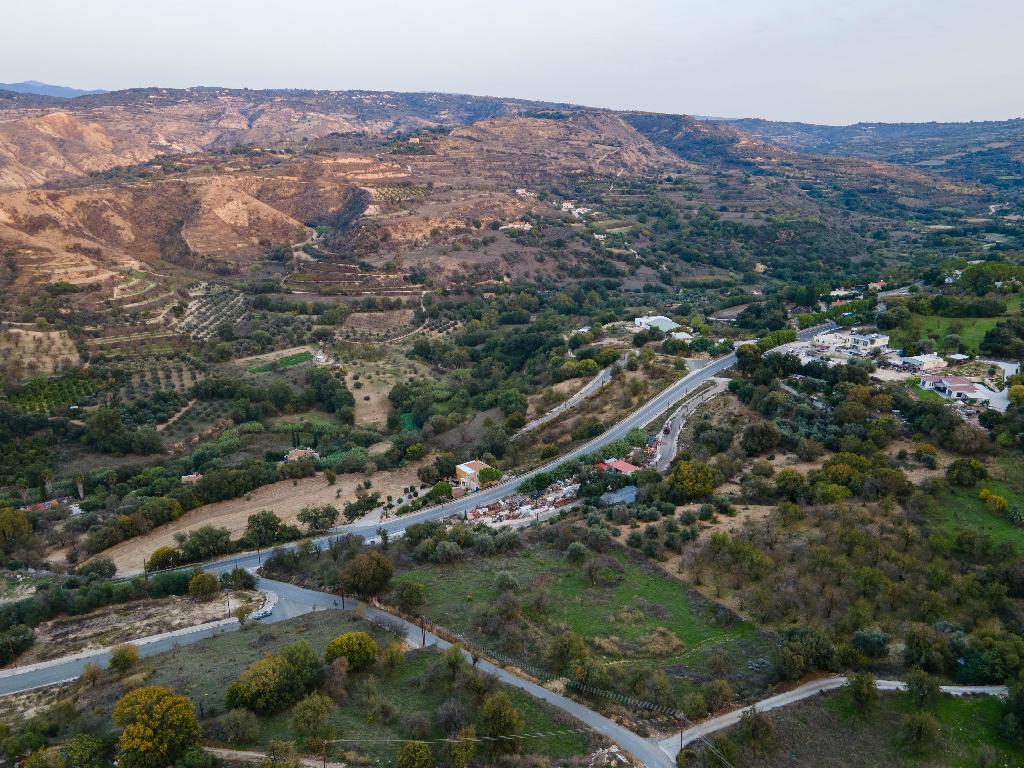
x=283, y=498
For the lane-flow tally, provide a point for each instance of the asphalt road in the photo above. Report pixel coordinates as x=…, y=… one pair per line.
x=672, y=744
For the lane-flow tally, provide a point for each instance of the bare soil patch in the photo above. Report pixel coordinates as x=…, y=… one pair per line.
x=285, y=499
x=130, y=621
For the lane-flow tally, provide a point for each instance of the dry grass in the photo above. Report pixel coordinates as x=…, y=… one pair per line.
x=285, y=498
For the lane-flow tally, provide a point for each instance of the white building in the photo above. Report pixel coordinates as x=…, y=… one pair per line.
x=660, y=322
x=683, y=336
x=930, y=362
x=868, y=341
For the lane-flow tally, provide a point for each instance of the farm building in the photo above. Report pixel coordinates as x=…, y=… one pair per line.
x=930, y=362
x=625, y=495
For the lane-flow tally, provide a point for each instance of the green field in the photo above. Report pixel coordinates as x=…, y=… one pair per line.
x=627, y=613
x=203, y=672
x=966, y=723
x=53, y=395
x=928, y=395
x=971, y=330
x=283, y=362
x=961, y=509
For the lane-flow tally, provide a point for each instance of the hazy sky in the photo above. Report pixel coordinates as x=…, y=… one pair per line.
x=830, y=61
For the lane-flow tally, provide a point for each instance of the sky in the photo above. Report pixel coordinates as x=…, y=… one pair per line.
x=823, y=61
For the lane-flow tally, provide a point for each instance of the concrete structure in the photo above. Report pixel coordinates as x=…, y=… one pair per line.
x=868, y=341
x=468, y=473
x=930, y=362
x=683, y=336
x=658, y=322
x=195, y=477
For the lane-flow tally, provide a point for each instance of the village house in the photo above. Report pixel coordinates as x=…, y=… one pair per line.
x=468, y=473
x=658, y=322
x=617, y=465
x=301, y=453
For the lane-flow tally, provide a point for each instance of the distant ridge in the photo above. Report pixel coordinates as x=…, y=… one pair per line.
x=45, y=89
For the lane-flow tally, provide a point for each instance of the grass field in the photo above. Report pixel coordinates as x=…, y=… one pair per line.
x=283, y=362
x=962, y=509
x=620, y=620
x=971, y=330
x=203, y=672
x=928, y=395
x=828, y=732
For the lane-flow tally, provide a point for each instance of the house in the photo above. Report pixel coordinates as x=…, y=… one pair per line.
x=192, y=479
x=521, y=192
x=617, y=465
x=468, y=473
x=868, y=341
x=683, y=336
x=568, y=205
x=953, y=387
x=958, y=357
x=295, y=454
x=877, y=285
x=625, y=495
x=659, y=322
x=930, y=362
x=523, y=226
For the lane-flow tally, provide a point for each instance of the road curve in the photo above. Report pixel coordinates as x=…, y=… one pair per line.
x=672, y=744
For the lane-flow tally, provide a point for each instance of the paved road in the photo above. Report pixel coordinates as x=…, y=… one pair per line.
x=646, y=413
x=589, y=389
x=670, y=443
x=672, y=744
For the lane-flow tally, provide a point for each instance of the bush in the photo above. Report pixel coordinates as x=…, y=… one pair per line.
x=101, y=567
x=410, y=596
x=368, y=573
x=415, y=754
x=357, y=647
x=123, y=658
x=576, y=552
x=240, y=727
x=159, y=726
x=203, y=586
x=863, y=691
x=919, y=732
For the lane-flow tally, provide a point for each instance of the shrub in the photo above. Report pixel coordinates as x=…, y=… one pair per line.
x=576, y=552
x=863, y=691
x=922, y=688
x=410, y=596
x=357, y=647
x=240, y=726
x=203, y=586
x=415, y=754
x=311, y=719
x=101, y=567
x=368, y=573
x=123, y=658
x=919, y=732
x=500, y=718
x=162, y=559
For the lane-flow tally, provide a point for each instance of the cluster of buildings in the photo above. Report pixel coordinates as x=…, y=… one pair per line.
x=520, y=509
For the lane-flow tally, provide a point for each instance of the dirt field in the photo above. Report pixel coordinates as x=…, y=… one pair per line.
x=131, y=621
x=283, y=498
x=21, y=706
x=37, y=352
x=390, y=323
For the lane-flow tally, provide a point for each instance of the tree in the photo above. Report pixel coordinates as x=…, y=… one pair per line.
x=499, y=719
x=268, y=685
x=368, y=573
x=162, y=559
x=159, y=726
x=459, y=753
x=489, y=475
x=415, y=754
x=410, y=596
x=358, y=647
x=84, y=751
x=101, y=567
x=203, y=586
x=863, y=691
x=923, y=689
x=15, y=528
x=318, y=518
x=123, y=658
x=311, y=719
x=263, y=528
x=442, y=491
x=759, y=437
x=692, y=480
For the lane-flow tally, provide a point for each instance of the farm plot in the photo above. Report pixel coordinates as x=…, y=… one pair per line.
x=54, y=395
x=158, y=374
x=37, y=352
x=286, y=361
x=377, y=326
x=210, y=310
